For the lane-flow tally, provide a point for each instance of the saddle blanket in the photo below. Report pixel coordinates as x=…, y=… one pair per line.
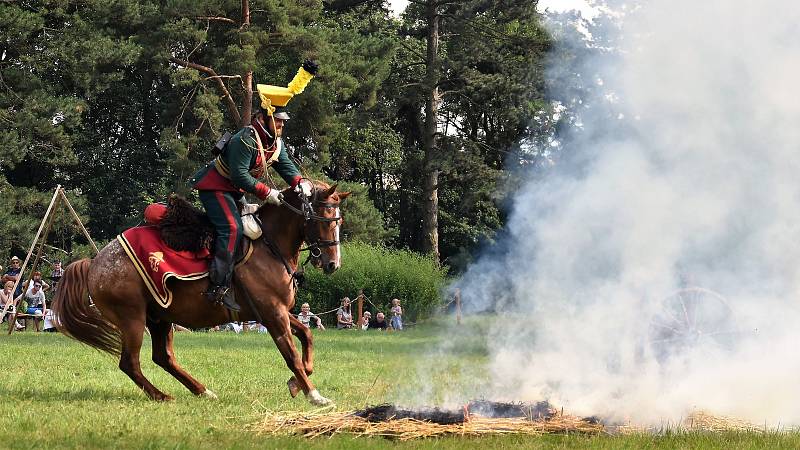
x=156, y=263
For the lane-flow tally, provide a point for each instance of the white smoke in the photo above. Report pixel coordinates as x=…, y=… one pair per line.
x=695, y=182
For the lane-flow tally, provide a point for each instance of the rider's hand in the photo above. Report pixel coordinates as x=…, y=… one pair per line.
x=274, y=197
x=305, y=187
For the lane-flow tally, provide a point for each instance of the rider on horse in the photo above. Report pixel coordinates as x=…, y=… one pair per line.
x=236, y=170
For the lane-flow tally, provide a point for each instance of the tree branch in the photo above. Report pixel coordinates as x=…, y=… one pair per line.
x=216, y=19
x=226, y=95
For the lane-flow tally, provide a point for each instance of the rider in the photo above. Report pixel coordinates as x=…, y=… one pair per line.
x=244, y=159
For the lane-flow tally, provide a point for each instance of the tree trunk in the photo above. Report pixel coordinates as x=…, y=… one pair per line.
x=430, y=186
x=247, y=101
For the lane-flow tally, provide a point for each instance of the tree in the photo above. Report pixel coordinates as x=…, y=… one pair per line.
x=482, y=87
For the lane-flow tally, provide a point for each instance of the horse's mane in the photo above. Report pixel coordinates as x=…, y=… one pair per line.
x=318, y=185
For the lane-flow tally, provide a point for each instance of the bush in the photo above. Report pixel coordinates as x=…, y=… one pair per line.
x=383, y=274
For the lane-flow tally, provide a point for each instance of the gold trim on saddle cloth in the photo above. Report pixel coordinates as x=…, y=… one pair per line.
x=165, y=301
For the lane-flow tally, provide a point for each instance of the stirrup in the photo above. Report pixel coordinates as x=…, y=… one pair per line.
x=221, y=295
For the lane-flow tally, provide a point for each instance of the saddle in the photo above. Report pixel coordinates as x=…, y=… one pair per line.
x=174, y=244
x=184, y=227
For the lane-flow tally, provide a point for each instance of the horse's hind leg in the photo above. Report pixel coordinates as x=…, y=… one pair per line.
x=164, y=356
x=277, y=322
x=132, y=329
x=303, y=333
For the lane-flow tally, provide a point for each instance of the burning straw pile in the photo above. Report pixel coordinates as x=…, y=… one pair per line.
x=475, y=419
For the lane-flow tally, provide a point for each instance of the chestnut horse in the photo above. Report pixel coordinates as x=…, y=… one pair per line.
x=264, y=287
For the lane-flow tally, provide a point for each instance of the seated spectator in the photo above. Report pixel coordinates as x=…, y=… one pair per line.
x=344, y=318
x=5, y=295
x=6, y=298
x=35, y=299
x=231, y=326
x=12, y=273
x=37, y=278
x=397, y=315
x=379, y=323
x=365, y=320
x=306, y=316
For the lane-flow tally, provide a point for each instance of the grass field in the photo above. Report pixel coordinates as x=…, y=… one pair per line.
x=57, y=393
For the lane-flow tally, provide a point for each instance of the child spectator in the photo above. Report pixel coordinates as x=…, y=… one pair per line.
x=379, y=323
x=49, y=322
x=397, y=314
x=344, y=318
x=306, y=315
x=7, y=299
x=365, y=320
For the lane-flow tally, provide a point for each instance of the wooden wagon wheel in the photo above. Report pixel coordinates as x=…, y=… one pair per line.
x=691, y=319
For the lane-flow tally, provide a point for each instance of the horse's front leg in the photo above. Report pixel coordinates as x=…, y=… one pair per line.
x=303, y=333
x=278, y=324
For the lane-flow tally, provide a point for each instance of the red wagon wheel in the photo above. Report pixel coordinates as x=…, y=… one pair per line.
x=692, y=318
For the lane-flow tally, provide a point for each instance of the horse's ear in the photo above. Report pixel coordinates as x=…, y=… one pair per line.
x=344, y=195
x=331, y=191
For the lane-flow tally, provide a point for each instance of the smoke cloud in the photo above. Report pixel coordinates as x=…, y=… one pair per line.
x=683, y=171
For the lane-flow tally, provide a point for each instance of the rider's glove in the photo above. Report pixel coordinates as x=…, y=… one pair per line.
x=305, y=187
x=274, y=197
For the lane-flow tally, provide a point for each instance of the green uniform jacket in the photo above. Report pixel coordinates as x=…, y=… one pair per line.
x=239, y=165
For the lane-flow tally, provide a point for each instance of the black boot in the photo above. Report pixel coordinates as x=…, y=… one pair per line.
x=219, y=275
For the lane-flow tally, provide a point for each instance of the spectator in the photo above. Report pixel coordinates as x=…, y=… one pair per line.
x=7, y=299
x=5, y=294
x=344, y=318
x=49, y=322
x=12, y=274
x=56, y=274
x=37, y=278
x=35, y=299
x=306, y=315
x=365, y=320
x=230, y=326
x=397, y=314
x=379, y=323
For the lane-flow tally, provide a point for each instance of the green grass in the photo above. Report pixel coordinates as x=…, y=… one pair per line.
x=57, y=393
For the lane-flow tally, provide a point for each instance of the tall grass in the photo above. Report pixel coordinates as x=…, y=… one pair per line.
x=383, y=274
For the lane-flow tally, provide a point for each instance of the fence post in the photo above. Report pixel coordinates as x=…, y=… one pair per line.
x=458, y=306
x=360, y=307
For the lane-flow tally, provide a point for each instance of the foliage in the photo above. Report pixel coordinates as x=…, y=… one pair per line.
x=383, y=274
x=362, y=221
x=120, y=102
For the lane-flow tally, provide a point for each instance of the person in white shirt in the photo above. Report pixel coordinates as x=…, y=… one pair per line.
x=306, y=316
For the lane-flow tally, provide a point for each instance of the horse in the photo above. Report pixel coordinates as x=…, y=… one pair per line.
x=123, y=307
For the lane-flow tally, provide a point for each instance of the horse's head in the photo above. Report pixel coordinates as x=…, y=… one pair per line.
x=323, y=218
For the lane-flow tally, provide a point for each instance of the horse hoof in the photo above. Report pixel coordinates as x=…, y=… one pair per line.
x=294, y=389
x=159, y=397
x=316, y=399
x=208, y=393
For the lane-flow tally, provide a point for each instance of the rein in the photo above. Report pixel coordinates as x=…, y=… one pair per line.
x=315, y=248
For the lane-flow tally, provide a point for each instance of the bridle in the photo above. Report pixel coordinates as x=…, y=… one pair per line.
x=314, y=249
x=307, y=211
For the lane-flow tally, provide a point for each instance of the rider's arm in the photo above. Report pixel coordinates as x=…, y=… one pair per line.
x=238, y=156
x=286, y=168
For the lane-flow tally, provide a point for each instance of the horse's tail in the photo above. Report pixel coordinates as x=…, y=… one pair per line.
x=76, y=317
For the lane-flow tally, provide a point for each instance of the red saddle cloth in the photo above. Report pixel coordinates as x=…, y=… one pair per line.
x=157, y=263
